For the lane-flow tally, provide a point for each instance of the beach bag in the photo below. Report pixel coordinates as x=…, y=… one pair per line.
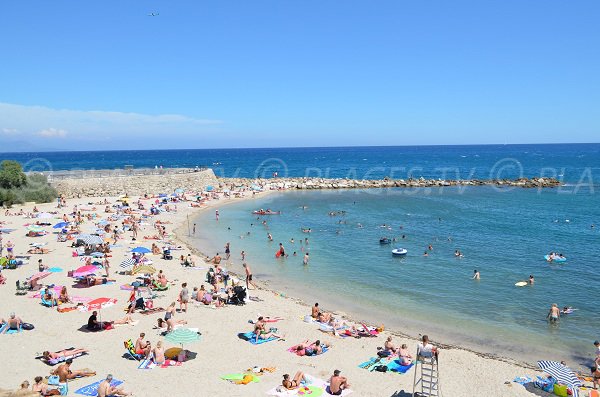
x=560, y=390
x=27, y=326
x=383, y=353
x=53, y=380
x=381, y=368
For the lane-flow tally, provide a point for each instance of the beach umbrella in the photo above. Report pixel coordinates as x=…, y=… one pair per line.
x=103, y=222
x=98, y=304
x=144, y=269
x=162, y=195
x=141, y=250
x=60, y=225
x=209, y=188
x=183, y=335
x=127, y=263
x=85, y=271
x=35, y=228
x=39, y=276
x=90, y=239
x=45, y=215
x=179, y=190
x=562, y=374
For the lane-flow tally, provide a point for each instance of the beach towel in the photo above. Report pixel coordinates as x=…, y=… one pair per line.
x=251, y=337
x=61, y=359
x=92, y=390
x=235, y=378
x=152, y=311
x=313, y=387
x=10, y=331
x=395, y=366
x=522, y=380
x=324, y=349
x=55, y=270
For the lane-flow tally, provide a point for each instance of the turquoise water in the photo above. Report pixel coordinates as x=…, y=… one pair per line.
x=502, y=233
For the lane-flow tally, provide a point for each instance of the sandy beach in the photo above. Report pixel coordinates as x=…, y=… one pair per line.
x=220, y=351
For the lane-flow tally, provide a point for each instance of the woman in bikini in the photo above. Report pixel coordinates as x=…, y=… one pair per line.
x=294, y=383
x=64, y=296
x=48, y=355
x=42, y=388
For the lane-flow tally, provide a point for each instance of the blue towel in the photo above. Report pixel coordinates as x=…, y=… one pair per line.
x=10, y=331
x=251, y=337
x=395, y=366
x=92, y=390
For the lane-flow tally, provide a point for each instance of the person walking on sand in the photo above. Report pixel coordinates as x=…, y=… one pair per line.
x=106, y=265
x=249, y=276
x=554, y=314
x=337, y=383
x=194, y=229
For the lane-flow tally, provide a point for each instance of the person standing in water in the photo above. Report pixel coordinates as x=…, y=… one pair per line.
x=553, y=314
x=305, y=261
x=476, y=275
x=217, y=214
x=531, y=279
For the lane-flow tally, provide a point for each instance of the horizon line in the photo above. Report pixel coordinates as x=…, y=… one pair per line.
x=303, y=147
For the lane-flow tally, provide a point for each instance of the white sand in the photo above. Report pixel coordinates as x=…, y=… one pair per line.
x=462, y=373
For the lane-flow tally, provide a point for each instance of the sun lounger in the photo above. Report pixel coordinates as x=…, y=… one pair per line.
x=130, y=350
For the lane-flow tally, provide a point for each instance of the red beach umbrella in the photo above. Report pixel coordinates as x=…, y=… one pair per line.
x=85, y=271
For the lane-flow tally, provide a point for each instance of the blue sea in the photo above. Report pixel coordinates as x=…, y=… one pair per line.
x=574, y=163
x=502, y=232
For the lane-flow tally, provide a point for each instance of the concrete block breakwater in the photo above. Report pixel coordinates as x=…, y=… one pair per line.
x=322, y=183
x=136, y=185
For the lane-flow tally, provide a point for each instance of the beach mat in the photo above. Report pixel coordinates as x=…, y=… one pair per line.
x=324, y=349
x=10, y=331
x=151, y=311
x=59, y=360
x=311, y=390
x=238, y=377
x=92, y=390
x=251, y=337
x=395, y=366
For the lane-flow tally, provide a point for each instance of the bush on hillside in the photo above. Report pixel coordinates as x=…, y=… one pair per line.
x=17, y=187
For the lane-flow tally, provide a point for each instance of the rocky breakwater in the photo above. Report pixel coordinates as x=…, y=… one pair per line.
x=323, y=183
x=115, y=184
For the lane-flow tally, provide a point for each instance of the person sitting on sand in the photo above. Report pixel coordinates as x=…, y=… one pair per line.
x=262, y=333
x=142, y=347
x=41, y=266
x=64, y=296
x=65, y=372
x=163, y=324
x=42, y=388
x=337, y=383
x=158, y=354
x=315, y=311
x=292, y=384
x=426, y=349
x=93, y=324
x=389, y=346
x=405, y=356
x=106, y=390
x=48, y=296
x=48, y=355
x=13, y=323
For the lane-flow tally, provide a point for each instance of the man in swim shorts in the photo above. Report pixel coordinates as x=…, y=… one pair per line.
x=337, y=383
x=554, y=313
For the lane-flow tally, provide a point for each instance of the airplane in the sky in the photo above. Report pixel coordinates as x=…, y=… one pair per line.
x=152, y=14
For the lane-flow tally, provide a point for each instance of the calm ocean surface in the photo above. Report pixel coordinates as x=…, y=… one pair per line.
x=569, y=162
x=503, y=233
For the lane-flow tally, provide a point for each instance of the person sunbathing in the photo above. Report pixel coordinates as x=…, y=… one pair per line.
x=93, y=280
x=324, y=318
x=389, y=346
x=38, y=250
x=159, y=354
x=163, y=324
x=106, y=390
x=42, y=388
x=293, y=383
x=64, y=296
x=405, y=356
x=48, y=355
x=65, y=373
x=13, y=323
x=125, y=320
x=262, y=333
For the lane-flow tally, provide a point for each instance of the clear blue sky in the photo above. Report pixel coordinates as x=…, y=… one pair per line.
x=103, y=74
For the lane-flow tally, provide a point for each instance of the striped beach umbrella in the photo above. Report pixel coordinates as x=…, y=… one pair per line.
x=35, y=228
x=562, y=374
x=90, y=239
x=144, y=269
x=127, y=263
x=183, y=335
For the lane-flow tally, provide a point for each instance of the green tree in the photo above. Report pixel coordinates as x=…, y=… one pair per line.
x=12, y=175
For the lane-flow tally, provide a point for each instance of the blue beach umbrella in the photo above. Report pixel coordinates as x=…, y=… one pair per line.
x=141, y=250
x=162, y=195
x=562, y=374
x=209, y=188
x=179, y=190
x=60, y=225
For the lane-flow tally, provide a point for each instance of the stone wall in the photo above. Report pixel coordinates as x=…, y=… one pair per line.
x=135, y=185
